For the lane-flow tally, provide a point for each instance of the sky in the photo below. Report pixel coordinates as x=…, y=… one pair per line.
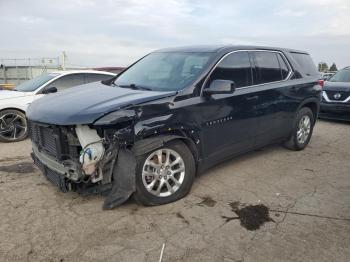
x=117, y=32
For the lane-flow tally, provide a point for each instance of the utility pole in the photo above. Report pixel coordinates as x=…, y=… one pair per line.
x=3, y=67
x=64, y=57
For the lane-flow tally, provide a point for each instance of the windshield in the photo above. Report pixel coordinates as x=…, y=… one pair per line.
x=341, y=76
x=164, y=71
x=35, y=83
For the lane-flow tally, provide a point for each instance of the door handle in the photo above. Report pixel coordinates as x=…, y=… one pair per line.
x=251, y=98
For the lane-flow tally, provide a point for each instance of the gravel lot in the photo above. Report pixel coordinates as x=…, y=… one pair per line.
x=307, y=195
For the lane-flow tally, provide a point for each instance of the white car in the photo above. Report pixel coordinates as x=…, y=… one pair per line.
x=14, y=103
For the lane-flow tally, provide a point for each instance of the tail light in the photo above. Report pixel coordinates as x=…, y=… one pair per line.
x=321, y=82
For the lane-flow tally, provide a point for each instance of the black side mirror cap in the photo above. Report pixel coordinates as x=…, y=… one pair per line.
x=219, y=86
x=49, y=90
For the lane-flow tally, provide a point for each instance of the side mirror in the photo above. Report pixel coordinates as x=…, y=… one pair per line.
x=220, y=87
x=50, y=90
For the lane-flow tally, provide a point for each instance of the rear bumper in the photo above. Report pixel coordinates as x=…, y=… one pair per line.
x=335, y=111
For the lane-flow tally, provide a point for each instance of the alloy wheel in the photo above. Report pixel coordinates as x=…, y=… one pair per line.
x=12, y=126
x=163, y=172
x=304, y=129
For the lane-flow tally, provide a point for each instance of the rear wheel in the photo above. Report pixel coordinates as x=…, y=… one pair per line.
x=302, y=130
x=165, y=174
x=13, y=126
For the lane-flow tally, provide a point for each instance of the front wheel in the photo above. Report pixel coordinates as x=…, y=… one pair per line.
x=13, y=126
x=302, y=130
x=165, y=174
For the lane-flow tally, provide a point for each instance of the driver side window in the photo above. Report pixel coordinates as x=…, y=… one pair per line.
x=235, y=67
x=67, y=81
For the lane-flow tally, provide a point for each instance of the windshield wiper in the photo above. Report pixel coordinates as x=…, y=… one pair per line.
x=135, y=87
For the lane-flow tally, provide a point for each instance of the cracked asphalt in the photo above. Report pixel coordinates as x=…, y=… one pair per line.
x=307, y=193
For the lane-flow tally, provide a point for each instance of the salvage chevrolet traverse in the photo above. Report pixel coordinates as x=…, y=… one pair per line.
x=174, y=113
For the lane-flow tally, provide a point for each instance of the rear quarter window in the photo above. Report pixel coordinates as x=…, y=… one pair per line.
x=306, y=64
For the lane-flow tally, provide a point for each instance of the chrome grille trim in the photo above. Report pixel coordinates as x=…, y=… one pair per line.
x=325, y=96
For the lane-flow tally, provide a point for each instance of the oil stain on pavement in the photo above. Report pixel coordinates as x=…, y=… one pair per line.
x=251, y=217
x=207, y=201
x=179, y=215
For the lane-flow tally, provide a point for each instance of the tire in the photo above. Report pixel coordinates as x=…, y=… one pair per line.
x=293, y=143
x=147, y=198
x=13, y=126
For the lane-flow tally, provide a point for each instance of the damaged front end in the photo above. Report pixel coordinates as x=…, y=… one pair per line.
x=88, y=159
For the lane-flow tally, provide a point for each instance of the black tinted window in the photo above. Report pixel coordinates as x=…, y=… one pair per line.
x=96, y=77
x=68, y=81
x=267, y=67
x=235, y=67
x=305, y=62
x=283, y=66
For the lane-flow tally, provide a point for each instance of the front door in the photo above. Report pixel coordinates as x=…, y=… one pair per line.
x=229, y=120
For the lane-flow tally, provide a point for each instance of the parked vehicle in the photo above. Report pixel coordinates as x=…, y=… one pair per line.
x=326, y=76
x=14, y=103
x=336, y=96
x=171, y=115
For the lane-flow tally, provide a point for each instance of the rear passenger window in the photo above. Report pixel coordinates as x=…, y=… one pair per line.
x=235, y=67
x=267, y=67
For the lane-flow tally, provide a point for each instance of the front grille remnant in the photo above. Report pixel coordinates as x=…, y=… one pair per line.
x=55, y=178
x=44, y=137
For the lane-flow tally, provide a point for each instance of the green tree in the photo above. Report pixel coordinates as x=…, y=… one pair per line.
x=333, y=67
x=322, y=67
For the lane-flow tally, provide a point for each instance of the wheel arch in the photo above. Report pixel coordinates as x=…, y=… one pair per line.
x=150, y=143
x=313, y=104
x=13, y=108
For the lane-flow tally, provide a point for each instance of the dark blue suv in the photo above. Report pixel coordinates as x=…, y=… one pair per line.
x=174, y=113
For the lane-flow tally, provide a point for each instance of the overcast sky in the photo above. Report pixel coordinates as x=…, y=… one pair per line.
x=116, y=32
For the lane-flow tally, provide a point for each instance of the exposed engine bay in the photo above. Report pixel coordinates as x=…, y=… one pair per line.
x=92, y=151
x=90, y=160
x=79, y=159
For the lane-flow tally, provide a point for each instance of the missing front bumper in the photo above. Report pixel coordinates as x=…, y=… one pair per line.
x=54, y=177
x=69, y=170
x=117, y=191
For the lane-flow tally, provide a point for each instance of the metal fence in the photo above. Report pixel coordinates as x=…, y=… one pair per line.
x=15, y=71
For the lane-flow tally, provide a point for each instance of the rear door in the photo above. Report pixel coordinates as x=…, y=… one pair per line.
x=271, y=72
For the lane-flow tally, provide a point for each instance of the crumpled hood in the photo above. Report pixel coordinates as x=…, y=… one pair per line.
x=336, y=86
x=8, y=94
x=86, y=103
